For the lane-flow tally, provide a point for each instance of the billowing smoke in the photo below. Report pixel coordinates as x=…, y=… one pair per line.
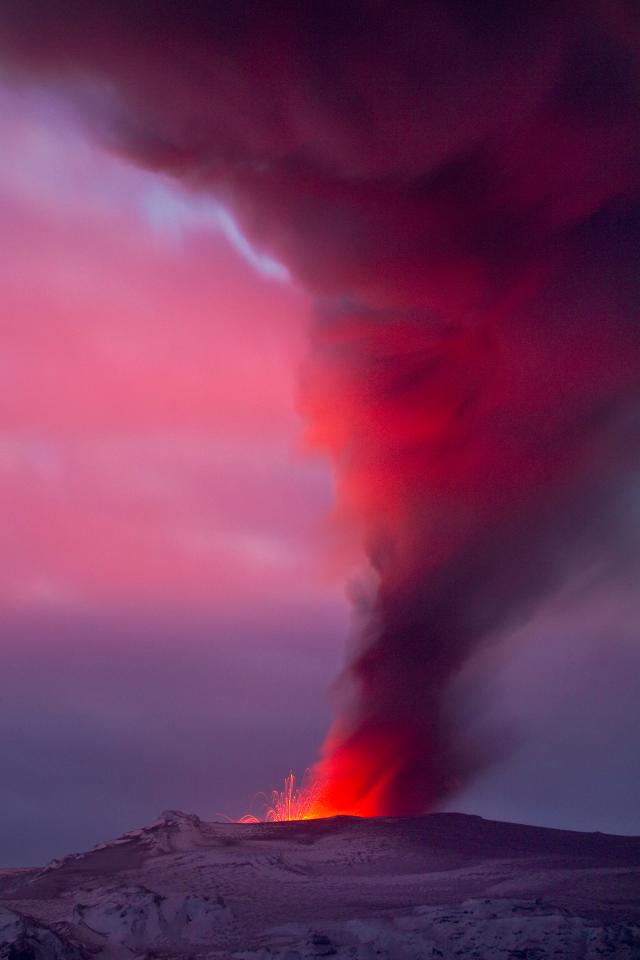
x=458, y=183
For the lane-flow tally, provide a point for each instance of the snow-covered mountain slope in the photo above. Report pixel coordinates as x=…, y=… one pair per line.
x=443, y=886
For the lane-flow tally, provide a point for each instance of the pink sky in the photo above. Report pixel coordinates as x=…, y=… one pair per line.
x=149, y=440
x=165, y=586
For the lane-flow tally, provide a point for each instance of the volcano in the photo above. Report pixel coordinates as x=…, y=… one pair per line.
x=395, y=888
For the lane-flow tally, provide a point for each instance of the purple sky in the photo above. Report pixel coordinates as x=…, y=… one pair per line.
x=173, y=588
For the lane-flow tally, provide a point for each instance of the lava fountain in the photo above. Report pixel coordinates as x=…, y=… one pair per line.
x=291, y=803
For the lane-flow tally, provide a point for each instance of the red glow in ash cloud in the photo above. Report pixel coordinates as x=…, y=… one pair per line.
x=460, y=192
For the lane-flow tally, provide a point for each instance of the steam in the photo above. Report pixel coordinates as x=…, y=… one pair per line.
x=458, y=184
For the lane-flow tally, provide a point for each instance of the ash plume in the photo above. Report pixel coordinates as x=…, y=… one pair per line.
x=458, y=184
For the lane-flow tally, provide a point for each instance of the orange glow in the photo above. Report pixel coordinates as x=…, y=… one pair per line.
x=290, y=803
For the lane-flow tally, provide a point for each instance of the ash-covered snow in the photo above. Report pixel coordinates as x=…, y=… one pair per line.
x=138, y=918
x=443, y=886
x=23, y=938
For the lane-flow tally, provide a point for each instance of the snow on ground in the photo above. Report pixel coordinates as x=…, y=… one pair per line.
x=443, y=886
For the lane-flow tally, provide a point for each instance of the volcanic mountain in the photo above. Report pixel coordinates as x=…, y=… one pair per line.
x=443, y=886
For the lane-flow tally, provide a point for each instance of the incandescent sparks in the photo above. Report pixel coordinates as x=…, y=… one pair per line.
x=290, y=803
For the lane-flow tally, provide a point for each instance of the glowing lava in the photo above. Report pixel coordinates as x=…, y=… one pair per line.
x=290, y=803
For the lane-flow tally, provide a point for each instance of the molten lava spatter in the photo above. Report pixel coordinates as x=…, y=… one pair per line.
x=290, y=803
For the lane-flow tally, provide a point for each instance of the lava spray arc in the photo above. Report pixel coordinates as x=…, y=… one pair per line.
x=457, y=185
x=291, y=803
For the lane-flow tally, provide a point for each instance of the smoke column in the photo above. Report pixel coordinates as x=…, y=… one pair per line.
x=458, y=184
